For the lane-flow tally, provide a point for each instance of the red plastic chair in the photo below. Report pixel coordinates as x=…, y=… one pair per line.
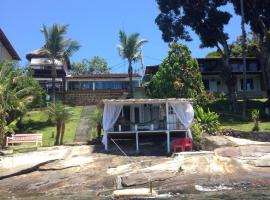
x=182, y=143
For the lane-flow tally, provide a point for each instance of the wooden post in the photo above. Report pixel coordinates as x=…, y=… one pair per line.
x=106, y=145
x=168, y=142
x=167, y=115
x=137, y=141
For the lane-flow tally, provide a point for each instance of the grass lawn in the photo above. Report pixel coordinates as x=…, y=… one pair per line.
x=234, y=121
x=37, y=121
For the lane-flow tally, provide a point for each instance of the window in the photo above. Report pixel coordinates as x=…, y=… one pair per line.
x=114, y=85
x=77, y=85
x=249, y=84
x=237, y=67
x=252, y=67
x=206, y=84
x=86, y=85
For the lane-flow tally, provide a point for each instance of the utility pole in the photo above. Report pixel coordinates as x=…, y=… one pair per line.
x=244, y=48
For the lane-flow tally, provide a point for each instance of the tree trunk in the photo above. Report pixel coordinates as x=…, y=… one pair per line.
x=244, y=47
x=54, y=74
x=2, y=138
x=58, y=132
x=62, y=132
x=229, y=79
x=130, y=71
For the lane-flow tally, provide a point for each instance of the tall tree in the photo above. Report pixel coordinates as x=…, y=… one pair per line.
x=207, y=21
x=129, y=48
x=178, y=75
x=258, y=17
x=56, y=47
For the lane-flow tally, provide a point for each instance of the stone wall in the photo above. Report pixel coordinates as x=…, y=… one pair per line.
x=91, y=97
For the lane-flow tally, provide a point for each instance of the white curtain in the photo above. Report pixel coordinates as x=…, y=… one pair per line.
x=110, y=115
x=185, y=113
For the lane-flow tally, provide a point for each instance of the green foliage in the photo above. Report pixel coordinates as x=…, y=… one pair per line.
x=208, y=121
x=213, y=54
x=177, y=76
x=96, y=65
x=79, y=68
x=253, y=49
x=96, y=121
x=197, y=134
x=130, y=49
x=17, y=91
x=60, y=114
x=255, y=116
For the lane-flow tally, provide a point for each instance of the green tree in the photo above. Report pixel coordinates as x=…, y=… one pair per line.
x=79, y=68
x=130, y=49
x=60, y=114
x=178, y=75
x=213, y=54
x=56, y=47
x=208, y=22
x=98, y=65
x=17, y=91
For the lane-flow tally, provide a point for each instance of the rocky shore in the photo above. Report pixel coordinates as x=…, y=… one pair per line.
x=229, y=162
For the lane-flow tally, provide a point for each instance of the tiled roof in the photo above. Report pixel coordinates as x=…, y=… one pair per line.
x=8, y=46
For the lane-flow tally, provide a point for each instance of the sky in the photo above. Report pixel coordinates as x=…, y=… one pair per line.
x=95, y=24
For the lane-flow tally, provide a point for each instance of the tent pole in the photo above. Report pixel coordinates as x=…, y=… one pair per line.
x=168, y=141
x=137, y=141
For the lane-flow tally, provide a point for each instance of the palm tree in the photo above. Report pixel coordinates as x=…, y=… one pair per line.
x=60, y=115
x=129, y=48
x=56, y=47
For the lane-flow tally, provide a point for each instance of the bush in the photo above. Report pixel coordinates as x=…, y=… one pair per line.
x=208, y=121
x=96, y=122
x=255, y=116
x=197, y=135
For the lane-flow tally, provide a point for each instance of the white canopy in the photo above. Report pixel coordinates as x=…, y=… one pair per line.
x=185, y=113
x=110, y=115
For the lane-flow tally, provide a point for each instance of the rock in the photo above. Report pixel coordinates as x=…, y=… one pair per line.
x=134, y=193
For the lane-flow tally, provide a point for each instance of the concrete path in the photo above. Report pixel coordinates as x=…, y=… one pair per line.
x=83, y=131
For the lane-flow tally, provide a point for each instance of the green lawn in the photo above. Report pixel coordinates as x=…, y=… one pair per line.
x=37, y=121
x=234, y=121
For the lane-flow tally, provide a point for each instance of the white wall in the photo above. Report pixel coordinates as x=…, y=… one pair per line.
x=4, y=55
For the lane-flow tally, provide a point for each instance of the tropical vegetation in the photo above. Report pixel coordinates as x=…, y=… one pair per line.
x=130, y=49
x=17, y=92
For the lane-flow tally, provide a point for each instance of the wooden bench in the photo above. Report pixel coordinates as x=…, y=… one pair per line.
x=25, y=138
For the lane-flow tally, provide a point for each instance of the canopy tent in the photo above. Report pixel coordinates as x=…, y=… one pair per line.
x=112, y=109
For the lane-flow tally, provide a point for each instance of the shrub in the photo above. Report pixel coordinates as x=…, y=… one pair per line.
x=255, y=116
x=197, y=135
x=208, y=121
x=96, y=122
